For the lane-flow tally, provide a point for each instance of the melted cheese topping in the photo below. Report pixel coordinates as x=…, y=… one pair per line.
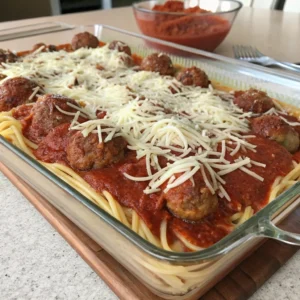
x=185, y=128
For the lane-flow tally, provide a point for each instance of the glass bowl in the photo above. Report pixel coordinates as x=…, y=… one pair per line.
x=203, y=26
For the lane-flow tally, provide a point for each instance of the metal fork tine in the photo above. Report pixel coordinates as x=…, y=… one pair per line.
x=252, y=54
x=250, y=51
x=246, y=51
x=236, y=51
x=240, y=52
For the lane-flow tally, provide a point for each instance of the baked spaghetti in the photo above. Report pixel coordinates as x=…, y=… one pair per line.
x=159, y=147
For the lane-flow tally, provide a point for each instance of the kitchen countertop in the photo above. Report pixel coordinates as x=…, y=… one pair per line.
x=37, y=263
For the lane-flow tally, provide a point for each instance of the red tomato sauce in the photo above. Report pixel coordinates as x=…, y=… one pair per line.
x=296, y=157
x=243, y=189
x=151, y=208
x=53, y=146
x=137, y=59
x=192, y=29
x=21, y=112
x=129, y=193
x=65, y=47
x=249, y=190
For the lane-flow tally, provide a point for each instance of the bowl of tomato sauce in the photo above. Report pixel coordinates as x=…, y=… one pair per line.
x=201, y=24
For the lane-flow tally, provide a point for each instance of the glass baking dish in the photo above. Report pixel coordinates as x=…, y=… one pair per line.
x=168, y=274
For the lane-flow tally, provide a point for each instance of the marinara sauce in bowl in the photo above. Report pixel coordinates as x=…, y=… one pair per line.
x=203, y=26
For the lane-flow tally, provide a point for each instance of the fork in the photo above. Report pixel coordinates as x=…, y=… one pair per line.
x=252, y=54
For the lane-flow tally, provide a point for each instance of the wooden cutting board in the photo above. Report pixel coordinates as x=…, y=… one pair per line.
x=240, y=284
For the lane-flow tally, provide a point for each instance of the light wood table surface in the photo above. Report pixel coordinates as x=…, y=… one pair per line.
x=42, y=265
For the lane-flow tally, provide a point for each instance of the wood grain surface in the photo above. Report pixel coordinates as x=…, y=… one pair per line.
x=239, y=284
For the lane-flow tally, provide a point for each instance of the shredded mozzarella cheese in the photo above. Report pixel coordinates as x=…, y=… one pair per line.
x=184, y=128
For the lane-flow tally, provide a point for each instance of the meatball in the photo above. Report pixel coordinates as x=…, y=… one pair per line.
x=53, y=147
x=46, y=116
x=190, y=202
x=85, y=153
x=50, y=48
x=158, y=62
x=84, y=39
x=274, y=128
x=16, y=91
x=120, y=46
x=193, y=76
x=291, y=119
x=253, y=100
x=7, y=56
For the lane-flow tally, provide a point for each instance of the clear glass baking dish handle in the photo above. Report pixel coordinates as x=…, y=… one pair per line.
x=268, y=229
x=266, y=225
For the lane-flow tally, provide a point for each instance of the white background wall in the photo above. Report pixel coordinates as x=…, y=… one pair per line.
x=290, y=5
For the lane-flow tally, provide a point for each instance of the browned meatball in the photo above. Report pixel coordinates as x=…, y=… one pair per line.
x=16, y=91
x=158, y=62
x=253, y=100
x=84, y=39
x=7, y=56
x=50, y=48
x=193, y=76
x=274, y=128
x=120, y=46
x=53, y=146
x=46, y=116
x=292, y=119
x=190, y=202
x=85, y=153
